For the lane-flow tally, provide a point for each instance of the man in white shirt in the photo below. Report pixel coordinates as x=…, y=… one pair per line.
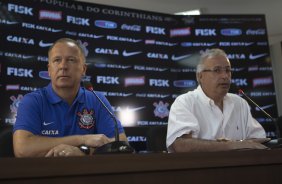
x=209, y=118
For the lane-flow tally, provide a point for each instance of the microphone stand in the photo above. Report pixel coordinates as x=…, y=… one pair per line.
x=113, y=147
x=275, y=142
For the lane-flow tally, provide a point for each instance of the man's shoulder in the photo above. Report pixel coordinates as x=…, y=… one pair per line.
x=36, y=94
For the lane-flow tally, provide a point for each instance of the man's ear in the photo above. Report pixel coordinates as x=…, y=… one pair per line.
x=199, y=76
x=84, y=70
x=48, y=69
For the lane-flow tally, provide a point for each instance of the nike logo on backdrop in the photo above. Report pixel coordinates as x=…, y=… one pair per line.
x=252, y=57
x=264, y=107
x=42, y=44
x=177, y=58
x=127, y=54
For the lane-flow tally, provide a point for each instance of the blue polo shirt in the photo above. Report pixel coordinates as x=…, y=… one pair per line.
x=44, y=113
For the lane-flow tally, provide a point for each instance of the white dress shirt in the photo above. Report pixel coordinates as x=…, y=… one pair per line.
x=194, y=112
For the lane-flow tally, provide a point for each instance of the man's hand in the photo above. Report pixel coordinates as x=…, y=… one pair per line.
x=64, y=150
x=96, y=140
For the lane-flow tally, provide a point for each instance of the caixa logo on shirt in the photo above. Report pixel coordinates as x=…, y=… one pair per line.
x=50, y=132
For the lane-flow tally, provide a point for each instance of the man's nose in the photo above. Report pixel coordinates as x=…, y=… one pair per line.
x=63, y=64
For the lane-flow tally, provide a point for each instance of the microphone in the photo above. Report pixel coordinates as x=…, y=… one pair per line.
x=268, y=115
x=113, y=147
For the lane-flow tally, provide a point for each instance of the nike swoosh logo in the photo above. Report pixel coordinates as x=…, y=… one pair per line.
x=49, y=123
x=177, y=58
x=10, y=22
x=137, y=109
x=252, y=57
x=127, y=54
x=162, y=69
x=125, y=67
x=56, y=30
x=98, y=36
x=130, y=109
x=248, y=44
x=172, y=44
x=164, y=96
x=264, y=107
x=126, y=94
x=135, y=41
x=42, y=44
x=27, y=57
x=210, y=44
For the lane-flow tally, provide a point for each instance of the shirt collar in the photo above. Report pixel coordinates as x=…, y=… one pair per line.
x=205, y=99
x=54, y=98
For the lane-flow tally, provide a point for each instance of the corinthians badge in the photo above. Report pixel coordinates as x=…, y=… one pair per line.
x=86, y=119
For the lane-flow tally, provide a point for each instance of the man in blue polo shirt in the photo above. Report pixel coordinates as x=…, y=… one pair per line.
x=57, y=119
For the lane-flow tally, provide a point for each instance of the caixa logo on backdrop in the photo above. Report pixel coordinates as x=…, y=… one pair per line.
x=21, y=40
x=107, y=51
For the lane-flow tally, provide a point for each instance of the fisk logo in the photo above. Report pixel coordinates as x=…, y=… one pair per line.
x=155, y=30
x=239, y=82
x=19, y=72
x=107, y=80
x=20, y=9
x=158, y=83
x=78, y=20
x=105, y=24
x=205, y=32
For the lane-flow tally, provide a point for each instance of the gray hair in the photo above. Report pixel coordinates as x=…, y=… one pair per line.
x=66, y=40
x=206, y=54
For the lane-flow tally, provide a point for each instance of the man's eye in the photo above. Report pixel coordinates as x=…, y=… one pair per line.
x=71, y=60
x=56, y=60
x=216, y=70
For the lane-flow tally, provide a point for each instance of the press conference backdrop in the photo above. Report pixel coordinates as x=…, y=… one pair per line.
x=141, y=60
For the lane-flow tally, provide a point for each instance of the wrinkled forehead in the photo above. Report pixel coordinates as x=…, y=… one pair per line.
x=217, y=61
